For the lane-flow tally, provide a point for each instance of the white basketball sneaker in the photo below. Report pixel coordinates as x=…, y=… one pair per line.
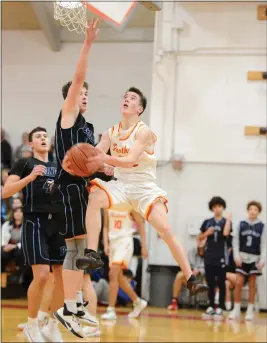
x=235, y=314
x=110, y=314
x=139, y=306
x=70, y=321
x=88, y=318
x=51, y=332
x=33, y=333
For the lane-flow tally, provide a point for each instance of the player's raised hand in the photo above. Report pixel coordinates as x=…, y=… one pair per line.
x=37, y=171
x=91, y=30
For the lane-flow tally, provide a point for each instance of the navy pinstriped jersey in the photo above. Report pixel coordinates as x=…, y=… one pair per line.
x=80, y=132
x=250, y=237
x=36, y=195
x=216, y=249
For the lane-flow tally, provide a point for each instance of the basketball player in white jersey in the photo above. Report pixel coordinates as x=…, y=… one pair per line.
x=118, y=245
x=131, y=143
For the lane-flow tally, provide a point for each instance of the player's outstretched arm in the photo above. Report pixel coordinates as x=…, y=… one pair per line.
x=144, y=138
x=70, y=108
x=15, y=184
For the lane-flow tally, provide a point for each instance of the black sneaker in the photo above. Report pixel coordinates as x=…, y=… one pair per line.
x=70, y=320
x=195, y=286
x=91, y=260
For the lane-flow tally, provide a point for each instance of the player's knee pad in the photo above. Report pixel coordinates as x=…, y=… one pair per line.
x=75, y=249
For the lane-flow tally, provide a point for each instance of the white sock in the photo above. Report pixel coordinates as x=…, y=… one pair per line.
x=42, y=315
x=33, y=321
x=79, y=297
x=237, y=307
x=228, y=305
x=137, y=301
x=71, y=306
x=250, y=308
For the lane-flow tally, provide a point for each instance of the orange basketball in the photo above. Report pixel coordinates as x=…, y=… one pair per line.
x=78, y=157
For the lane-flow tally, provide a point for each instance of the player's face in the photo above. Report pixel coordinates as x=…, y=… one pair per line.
x=83, y=101
x=253, y=212
x=40, y=142
x=217, y=210
x=131, y=104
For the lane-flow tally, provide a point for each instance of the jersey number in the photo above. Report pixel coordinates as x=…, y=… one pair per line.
x=216, y=236
x=249, y=241
x=117, y=224
x=47, y=185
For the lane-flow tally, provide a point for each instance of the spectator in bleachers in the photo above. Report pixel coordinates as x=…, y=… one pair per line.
x=26, y=152
x=11, y=240
x=196, y=260
x=52, y=152
x=5, y=203
x=249, y=245
x=21, y=147
x=6, y=151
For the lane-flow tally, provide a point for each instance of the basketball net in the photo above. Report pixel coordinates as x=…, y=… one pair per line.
x=73, y=15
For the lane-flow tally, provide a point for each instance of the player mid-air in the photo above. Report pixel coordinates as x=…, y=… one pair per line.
x=131, y=143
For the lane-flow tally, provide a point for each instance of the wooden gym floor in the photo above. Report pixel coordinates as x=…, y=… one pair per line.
x=154, y=325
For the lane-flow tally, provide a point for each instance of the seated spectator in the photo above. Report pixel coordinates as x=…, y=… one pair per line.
x=21, y=147
x=196, y=260
x=14, y=203
x=6, y=151
x=123, y=298
x=101, y=287
x=11, y=240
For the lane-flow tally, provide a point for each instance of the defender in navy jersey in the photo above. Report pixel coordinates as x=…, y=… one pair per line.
x=42, y=246
x=249, y=245
x=69, y=193
x=216, y=230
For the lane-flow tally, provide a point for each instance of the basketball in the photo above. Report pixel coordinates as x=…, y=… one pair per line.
x=78, y=158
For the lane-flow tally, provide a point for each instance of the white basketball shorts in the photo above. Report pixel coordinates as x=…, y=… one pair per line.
x=131, y=196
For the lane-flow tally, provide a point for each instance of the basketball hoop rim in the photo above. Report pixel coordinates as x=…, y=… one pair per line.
x=66, y=4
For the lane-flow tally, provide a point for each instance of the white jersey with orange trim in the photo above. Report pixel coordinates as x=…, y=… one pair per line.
x=120, y=224
x=121, y=143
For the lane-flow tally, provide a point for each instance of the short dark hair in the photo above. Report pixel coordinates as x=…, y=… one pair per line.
x=37, y=129
x=217, y=201
x=143, y=99
x=66, y=87
x=128, y=273
x=254, y=203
